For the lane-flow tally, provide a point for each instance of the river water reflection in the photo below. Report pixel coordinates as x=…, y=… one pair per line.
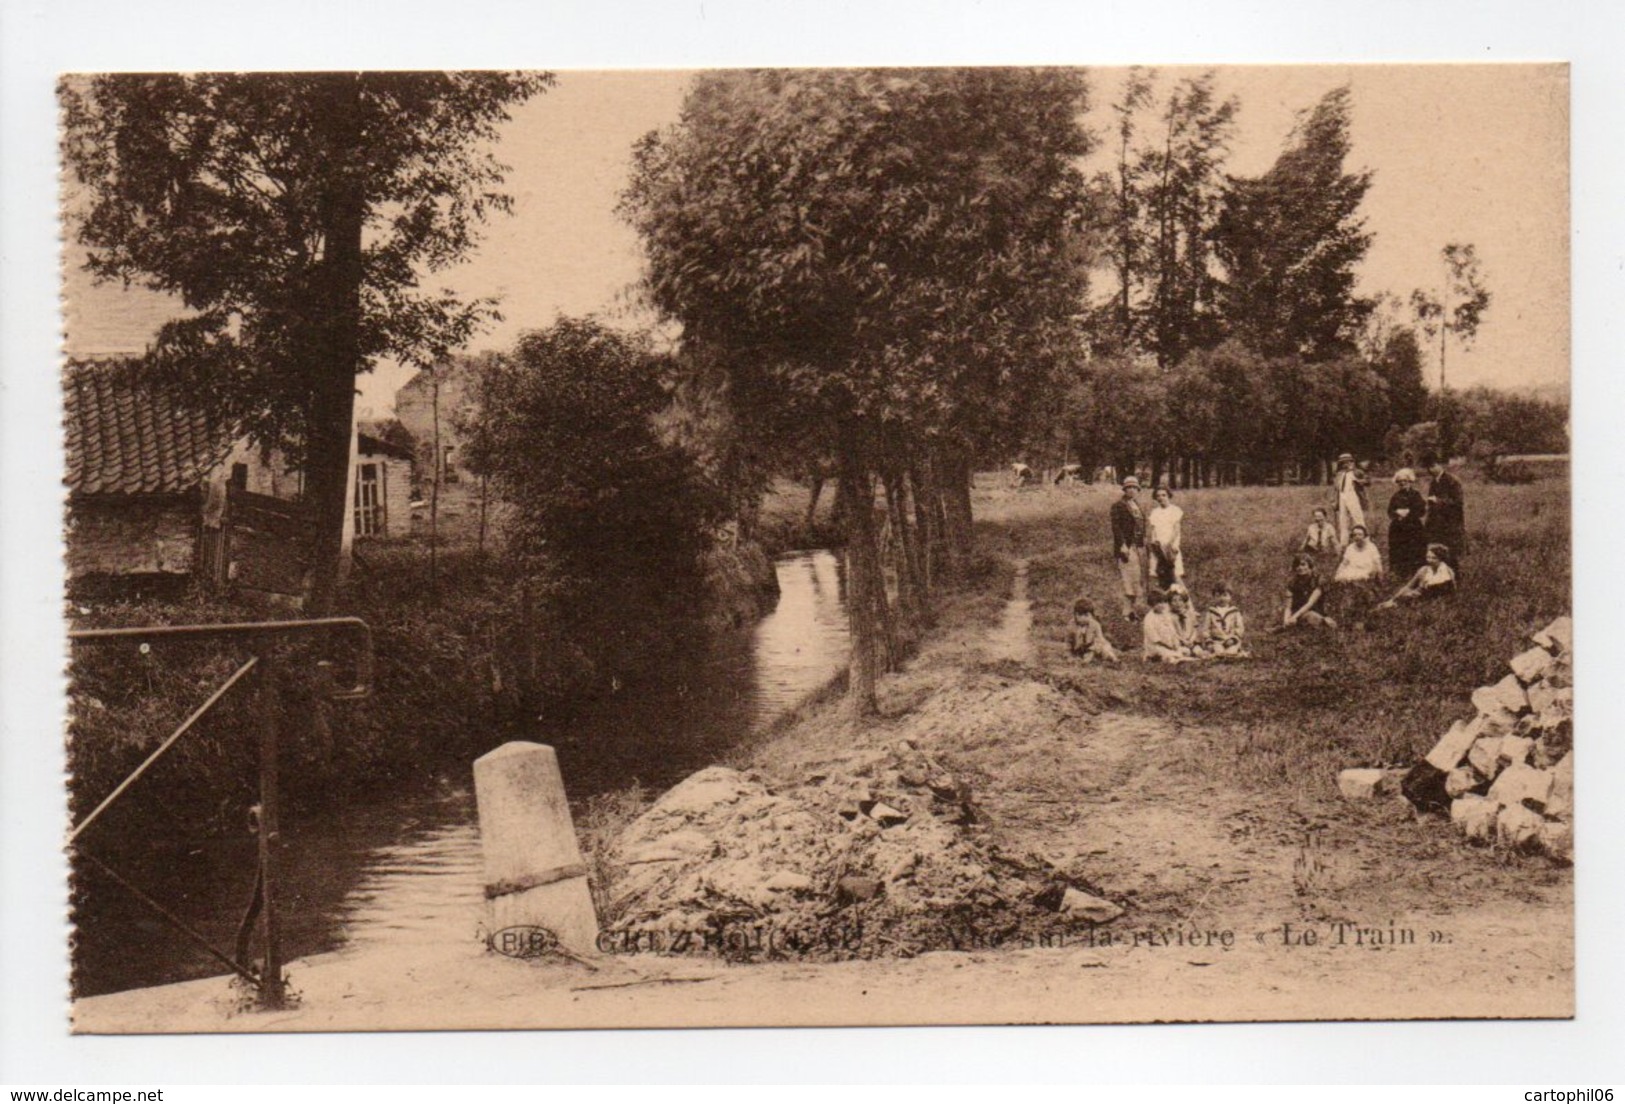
x=408, y=871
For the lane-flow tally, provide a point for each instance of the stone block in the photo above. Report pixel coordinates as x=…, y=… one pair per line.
x=1560, y=802
x=1452, y=746
x=1550, y=748
x=1485, y=756
x=1520, y=783
x=1498, y=722
x=1515, y=749
x=1517, y=826
x=1086, y=906
x=1556, y=838
x=534, y=874
x=1531, y=665
x=1507, y=695
x=1475, y=816
x=1552, y=705
x=1361, y=783
x=1463, y=780
x=1558, y=637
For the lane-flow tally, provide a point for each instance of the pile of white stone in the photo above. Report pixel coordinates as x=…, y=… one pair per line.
x=1508, y=774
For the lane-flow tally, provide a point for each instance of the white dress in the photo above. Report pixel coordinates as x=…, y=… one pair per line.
x=1163, y=531
x=1349, y=511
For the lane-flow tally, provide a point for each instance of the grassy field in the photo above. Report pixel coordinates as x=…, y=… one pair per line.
x=1307, y=703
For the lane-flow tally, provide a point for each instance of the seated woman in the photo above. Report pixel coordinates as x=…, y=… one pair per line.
x=1359, y=573
x=1320, y=539
x=1162, y=635
x=1304, y=597
x=1434, y=579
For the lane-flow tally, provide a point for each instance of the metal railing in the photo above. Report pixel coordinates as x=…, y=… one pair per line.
x=267, y=673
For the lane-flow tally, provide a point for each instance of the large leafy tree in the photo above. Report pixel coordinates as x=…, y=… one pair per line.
x=1289, y=241
x=884, y=255
x=566, y=425
x=295, y=216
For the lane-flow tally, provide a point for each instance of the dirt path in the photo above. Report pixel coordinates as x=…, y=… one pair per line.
x=1240, y=902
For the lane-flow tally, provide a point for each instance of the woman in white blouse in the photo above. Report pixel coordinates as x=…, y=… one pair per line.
x=1354, y=586
x=1162, y=538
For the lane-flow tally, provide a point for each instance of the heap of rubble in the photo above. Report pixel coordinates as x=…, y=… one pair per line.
x=882, y=854
x=1507, y=775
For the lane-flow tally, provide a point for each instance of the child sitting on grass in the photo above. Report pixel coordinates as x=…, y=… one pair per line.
x=1226, y=629
x=1163, y=643
x=1087, y=640
x=1188, y=621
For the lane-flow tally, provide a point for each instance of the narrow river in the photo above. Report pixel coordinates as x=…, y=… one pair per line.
x=409, y=869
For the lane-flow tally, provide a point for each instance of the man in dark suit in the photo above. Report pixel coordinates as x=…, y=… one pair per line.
x=1447, y=516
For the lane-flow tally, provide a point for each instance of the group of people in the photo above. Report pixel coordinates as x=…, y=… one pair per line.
x=1426, y=537
x=1337, y=568
x=1174, y=631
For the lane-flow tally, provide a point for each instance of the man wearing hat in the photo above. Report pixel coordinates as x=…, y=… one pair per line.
x=1447, y=513
x=1128, y=543
x=1349, y=510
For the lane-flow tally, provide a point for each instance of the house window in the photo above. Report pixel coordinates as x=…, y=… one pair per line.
x=239, y=476
x=369, y=502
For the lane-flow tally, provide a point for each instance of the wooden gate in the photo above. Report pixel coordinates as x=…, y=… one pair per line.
x=266, y=543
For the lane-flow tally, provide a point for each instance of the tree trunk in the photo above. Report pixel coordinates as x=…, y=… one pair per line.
x=954, y=474
x=926, y=520
x=910, y=594
x=863, y=580
x=336, y=348
x=816, y=489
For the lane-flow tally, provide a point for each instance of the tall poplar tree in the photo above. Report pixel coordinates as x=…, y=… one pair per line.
x=1181, y=188
x=1289, y=241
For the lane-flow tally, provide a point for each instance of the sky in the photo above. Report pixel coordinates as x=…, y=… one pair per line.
x=1459, y=153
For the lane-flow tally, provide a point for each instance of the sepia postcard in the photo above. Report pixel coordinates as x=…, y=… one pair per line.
x=818, y=547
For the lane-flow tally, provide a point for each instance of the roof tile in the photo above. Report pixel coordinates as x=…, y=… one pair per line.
x=125, y=437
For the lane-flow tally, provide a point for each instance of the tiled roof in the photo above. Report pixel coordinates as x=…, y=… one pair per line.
x=124, y=438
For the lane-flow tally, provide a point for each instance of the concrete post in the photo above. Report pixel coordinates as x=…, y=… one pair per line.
x=534, y=874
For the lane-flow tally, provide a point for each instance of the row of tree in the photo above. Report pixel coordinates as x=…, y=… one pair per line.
x=887, y=267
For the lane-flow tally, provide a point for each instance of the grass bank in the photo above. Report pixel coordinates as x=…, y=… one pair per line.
x=1307, y=701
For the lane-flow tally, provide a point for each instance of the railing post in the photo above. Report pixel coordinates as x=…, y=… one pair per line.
x=270, y=709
